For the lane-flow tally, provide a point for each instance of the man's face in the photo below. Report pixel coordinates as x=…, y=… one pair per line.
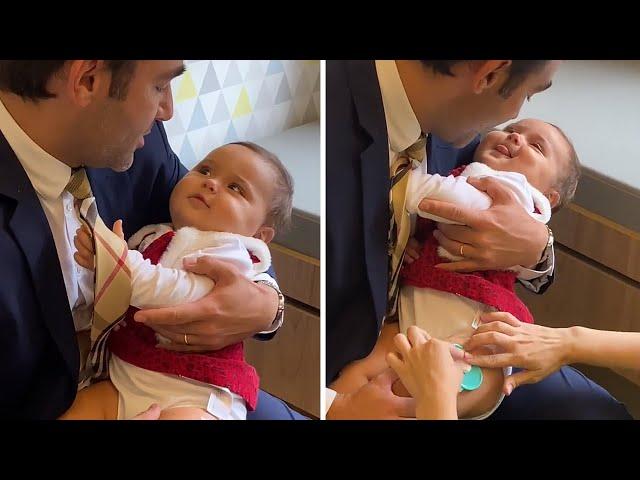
x=113, y=129
x=473, y=113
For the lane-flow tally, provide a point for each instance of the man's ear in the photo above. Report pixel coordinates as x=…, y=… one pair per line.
x=486, y=74
x=265, y=233
x=85, y=80
x=554, y=197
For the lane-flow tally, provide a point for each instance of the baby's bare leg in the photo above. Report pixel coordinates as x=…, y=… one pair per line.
x=100, y=402
x=475, y=402
x=359, y=372
x=186, y=413
x=472, y=403
x=95, y=402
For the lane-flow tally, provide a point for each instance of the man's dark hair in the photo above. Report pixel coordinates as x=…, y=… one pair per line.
x=28, y=78
x=518, y=71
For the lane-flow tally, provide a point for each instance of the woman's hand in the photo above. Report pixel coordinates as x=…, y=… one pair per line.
x=539, y=350
x=429, y=371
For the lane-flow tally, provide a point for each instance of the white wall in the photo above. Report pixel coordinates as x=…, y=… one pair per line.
x=222, y=101
x=597, y=103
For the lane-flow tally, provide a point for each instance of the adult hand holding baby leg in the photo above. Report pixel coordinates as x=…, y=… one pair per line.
x=495, y=239
x=429, y=368
x=236, y=308
x=539, y=350
x=373, y=401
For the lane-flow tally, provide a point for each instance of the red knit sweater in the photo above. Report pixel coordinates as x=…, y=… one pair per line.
x=135, y=343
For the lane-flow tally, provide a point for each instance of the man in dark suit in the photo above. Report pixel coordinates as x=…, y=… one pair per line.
x=376, y=110
x=57, y=115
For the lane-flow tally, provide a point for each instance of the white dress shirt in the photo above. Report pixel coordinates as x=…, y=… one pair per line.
x=49, y=177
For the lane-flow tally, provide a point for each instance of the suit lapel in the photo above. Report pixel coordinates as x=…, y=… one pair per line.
x=375, y=178
x=31, y=230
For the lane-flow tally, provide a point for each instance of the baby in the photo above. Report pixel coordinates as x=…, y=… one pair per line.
x=538, y=164
x=228, y=207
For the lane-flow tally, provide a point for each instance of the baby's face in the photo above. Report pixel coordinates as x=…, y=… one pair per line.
x=229, y=191
x=531, y=147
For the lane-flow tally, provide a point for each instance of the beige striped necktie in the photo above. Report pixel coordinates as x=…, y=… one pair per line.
x=400, y=220
x=112, y=291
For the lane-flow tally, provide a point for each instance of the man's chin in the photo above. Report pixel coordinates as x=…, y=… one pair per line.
x=457, y=139
x=122, y=166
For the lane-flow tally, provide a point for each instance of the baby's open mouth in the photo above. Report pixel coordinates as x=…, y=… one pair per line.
x=503, y=150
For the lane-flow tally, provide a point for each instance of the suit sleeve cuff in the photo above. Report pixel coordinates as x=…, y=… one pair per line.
x=544, y=268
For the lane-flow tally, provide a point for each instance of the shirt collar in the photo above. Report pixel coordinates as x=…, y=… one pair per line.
x=48, y=175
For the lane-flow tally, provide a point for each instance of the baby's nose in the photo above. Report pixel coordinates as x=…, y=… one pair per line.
x=211, y=184
x=515, y=138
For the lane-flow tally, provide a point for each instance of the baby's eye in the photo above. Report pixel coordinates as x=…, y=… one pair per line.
x=204, y=170
x=236, y=188
x=538, y=147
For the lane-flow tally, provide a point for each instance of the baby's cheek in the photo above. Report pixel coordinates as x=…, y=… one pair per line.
x=480, y=151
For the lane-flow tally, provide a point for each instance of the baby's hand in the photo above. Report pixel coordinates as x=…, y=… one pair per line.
x=85, y=256
x=117, y=229
x=412, y=252
x=83, y=242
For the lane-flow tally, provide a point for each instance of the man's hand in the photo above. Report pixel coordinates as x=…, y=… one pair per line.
x=373, y=401
x=236, y=308
x=501, y=237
